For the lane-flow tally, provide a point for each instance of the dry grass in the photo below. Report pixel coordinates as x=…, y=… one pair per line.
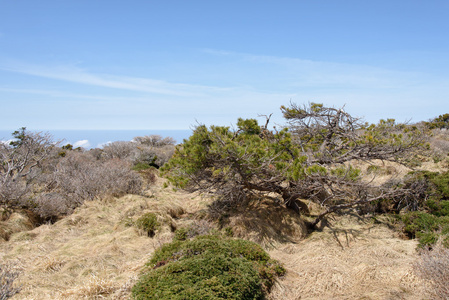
x=378, y=172
x=350, y=259
x=96, y=253
x=14, y=223
x=267, y=223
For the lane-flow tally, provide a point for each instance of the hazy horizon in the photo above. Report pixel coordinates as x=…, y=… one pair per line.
x=92, y=138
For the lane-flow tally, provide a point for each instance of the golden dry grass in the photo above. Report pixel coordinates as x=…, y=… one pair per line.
x=96, y=254
x=267, y=223
x=352, y=258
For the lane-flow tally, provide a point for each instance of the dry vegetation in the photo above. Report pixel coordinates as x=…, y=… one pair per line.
x=351, y=258
x=98, y=251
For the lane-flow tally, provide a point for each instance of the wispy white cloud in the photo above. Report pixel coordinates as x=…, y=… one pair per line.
x=255, y=84
x=304, y=73
x=78, y=75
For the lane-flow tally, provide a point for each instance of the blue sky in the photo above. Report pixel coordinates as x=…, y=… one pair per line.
x=78, y=64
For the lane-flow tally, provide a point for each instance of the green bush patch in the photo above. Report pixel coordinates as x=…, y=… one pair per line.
x=208, y=267
x=427, y=228
x=148, y=223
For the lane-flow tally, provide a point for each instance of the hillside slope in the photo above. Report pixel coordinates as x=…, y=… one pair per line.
x=96, y=252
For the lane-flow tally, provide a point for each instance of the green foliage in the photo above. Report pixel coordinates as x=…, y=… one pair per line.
x=208, y=267
x=218, y=154
x=440, y=122
x=67, y=147
x=350, y=173
x=433, y=224
x=248, y=126
x=373, y=169
x=229, y=231
x=148, y=223
x=20, y=136
x=441, y=182
x=141, y=166
x=181, y=234
x=438, y=208
x=427, y=228
x=309, y=159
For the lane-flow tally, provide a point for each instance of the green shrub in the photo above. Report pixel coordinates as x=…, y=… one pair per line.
x=442, y=121
x=141, y=166
x=208, y=267
x=441, y=182
x=228, y=231
x=438, y=208
x=427, y=228
x=181, y=234
x=430, y=226
x=148, y=223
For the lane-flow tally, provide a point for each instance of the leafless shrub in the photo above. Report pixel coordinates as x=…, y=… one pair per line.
x=7, y=277
x=154, y=140
x=50, y=206
x=152, y=150
x=156, y=156
x=120, y=150
x=21, y=162
x=440, y=145
x=80, y=177
x=12, y=192
x=200, y=227
x=433, y=268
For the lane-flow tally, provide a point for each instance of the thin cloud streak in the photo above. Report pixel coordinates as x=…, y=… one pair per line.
x=317, y=74
x=77, y=75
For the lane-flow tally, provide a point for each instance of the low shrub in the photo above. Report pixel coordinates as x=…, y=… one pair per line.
x=198, y=227
x=208, y=267
x=7, y=277
x=427, y=228
x=432, y=222
x=442, y=121
x=181, y=234
x=433, y=267
x=142, y=152
x=141, y=166
x=148, y=223
x=79, y=177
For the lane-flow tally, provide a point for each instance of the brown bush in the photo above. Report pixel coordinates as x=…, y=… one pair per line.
x=7, y=277
x=151, y=150
x=155, y=156
x=154, y=140
x=79, y=177
x=121, y=150
x=21, y=162
x=433, y=268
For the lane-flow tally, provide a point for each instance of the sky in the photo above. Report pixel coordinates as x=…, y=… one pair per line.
x=83, y=64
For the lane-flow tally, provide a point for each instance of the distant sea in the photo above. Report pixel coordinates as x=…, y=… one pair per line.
x=89, y=139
